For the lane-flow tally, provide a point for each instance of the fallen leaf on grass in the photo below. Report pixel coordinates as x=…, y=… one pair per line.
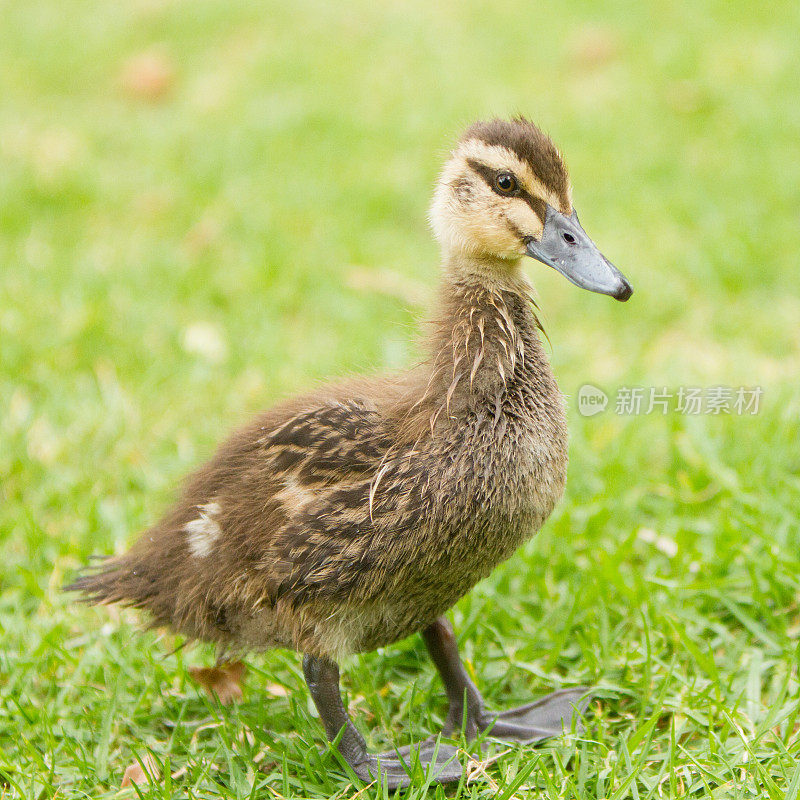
x=593, y=46
x=223, y=681
x=148, y=76
x=138, y=773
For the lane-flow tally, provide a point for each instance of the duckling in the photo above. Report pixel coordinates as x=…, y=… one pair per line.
x=356, y=515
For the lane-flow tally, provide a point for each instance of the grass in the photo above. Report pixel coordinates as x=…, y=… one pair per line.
x=206, y=206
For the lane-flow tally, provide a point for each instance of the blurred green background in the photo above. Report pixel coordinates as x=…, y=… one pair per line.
x=206, y=206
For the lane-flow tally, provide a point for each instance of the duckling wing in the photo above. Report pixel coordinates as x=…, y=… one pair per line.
x=292, y=515
x=328, y=444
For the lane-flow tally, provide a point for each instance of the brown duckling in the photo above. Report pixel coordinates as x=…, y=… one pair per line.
x=354, y=516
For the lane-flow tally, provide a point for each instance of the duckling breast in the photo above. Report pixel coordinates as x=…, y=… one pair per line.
x=440, y=521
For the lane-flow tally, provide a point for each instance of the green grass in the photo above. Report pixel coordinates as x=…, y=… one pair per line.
x=172, y=264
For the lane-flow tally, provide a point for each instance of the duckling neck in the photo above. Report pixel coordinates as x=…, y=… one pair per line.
x=486, y=341
x=489, y=272
x=487, y=371
x=492, y=401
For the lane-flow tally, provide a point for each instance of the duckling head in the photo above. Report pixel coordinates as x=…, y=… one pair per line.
x=505, y=193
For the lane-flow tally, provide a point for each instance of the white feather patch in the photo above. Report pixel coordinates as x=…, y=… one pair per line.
x=203, y=531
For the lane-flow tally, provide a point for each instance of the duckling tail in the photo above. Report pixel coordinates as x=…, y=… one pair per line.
x=99, y=582
x=124, y=579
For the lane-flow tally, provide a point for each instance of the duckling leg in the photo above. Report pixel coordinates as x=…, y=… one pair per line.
x=322, y=677
x=544, y=718
x=441, y=643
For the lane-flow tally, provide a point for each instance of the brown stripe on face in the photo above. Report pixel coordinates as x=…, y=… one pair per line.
x=538, y=206
x=531, y=145
x=520, y=234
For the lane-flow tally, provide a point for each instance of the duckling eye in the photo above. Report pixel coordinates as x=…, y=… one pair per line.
x=506, y=183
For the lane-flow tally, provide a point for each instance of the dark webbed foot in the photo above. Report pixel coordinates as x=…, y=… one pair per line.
x=544, y=718
x=438, y=763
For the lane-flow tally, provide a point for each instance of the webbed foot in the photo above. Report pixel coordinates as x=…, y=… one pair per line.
x=545, y=718
x=395, y=769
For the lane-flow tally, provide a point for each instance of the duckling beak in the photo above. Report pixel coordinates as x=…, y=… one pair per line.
x=565, y=246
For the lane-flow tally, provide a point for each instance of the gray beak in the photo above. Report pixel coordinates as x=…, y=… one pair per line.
x=566, y=247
